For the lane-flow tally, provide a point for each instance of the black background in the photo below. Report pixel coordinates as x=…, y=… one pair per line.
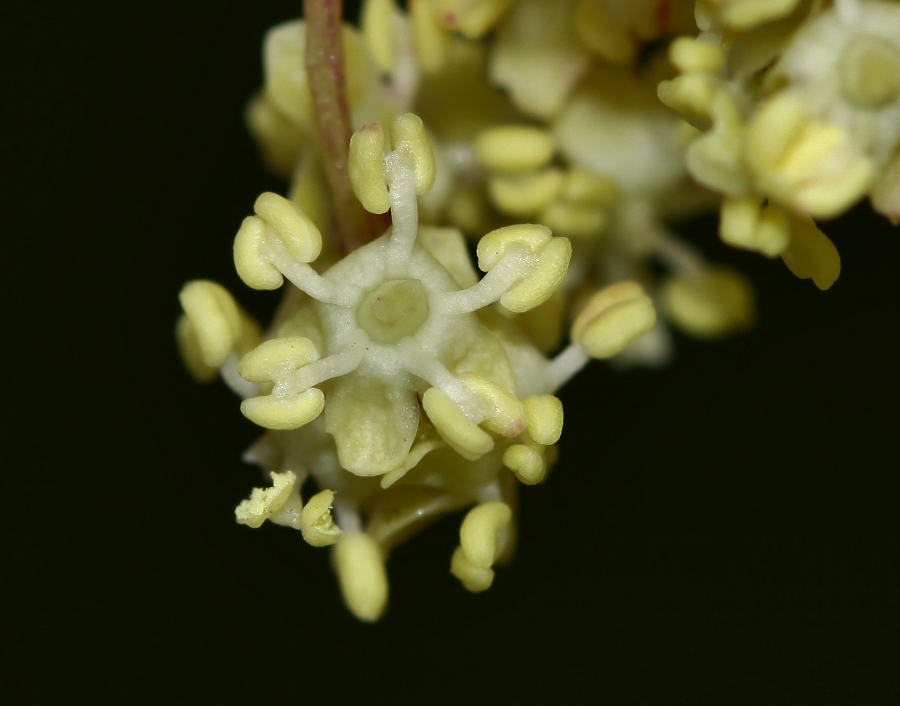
x=719, y=531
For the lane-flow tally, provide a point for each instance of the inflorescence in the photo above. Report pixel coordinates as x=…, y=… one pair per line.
x=561, y=140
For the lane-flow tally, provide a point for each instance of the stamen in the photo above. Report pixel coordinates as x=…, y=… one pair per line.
x=565, y=366
x=306, y=279
x=499, y=280
x=325, y=369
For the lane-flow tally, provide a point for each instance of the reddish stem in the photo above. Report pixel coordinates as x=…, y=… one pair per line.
x=326, y=70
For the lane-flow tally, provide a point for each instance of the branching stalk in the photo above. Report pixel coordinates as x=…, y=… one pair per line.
x=327, y=79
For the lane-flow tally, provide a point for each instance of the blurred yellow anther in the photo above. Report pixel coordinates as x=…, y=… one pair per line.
x=466, y=438
x=276, y=358
x=714, y=303
x=471, y=18
x=574, y=220
x=482, y=538
x=430, y=38
x=602, y=34
x=505, y=414
x=613, y=318
x=409, y=139
x=811, y=255
x=214, y=324
x=747, y=224
x=527, y=462
x=527, y=194
x=545, y=418
x=515, y=148
x=360, y=570
x=886, y=190
x=377, y=22
x=366, y=168
x=280, y=140
x=715, y=159
x=690, y=55
x=691, y=96
x=263, y=503
x=586, y=188
x=745, y=14
x=808, y=164
x=316, y=522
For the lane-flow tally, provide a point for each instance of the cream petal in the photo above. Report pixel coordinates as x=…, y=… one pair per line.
x=373, y=424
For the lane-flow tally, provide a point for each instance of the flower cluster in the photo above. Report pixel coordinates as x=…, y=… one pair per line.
x=559, y=141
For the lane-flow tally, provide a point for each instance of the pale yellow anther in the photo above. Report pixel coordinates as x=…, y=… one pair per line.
x=523, y=195
x=709, y=305
x=813, y=166
x=885, y=194
x=253, y=266
x=366, y=168
x=745, y=223
x=471, y=18
x=481, y=533
x=715, y=158
x=543, y=279
x=745, y=14
x=360, y=570
x=690, y=55
x=574, y=220
x=279, y=139
x=409, y=138
x=474, y=578
x=190, y=351
x=587, y=188
x=527, y=462
x=811, y=254
x=602, y=34
x=545, y=418
x=430, y=38
x=291, y=412
x=469, y=209
x=691, y=96
x=539, y=281
x=466, y=438
x=215, y=320
x=277, y=357
x=515, y=148
x=505, y=412
x=316, y=522
x=263, y=503
x=297, y=233
x=494, y=245
x=376, y=19
x=613, y=318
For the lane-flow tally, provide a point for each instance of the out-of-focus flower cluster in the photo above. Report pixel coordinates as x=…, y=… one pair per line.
x=559, y=140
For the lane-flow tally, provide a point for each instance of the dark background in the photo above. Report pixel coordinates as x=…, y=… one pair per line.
x=720, y=531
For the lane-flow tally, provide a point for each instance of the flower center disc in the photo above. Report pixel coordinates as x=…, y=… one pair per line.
x=393, y=310
x=869, y=72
